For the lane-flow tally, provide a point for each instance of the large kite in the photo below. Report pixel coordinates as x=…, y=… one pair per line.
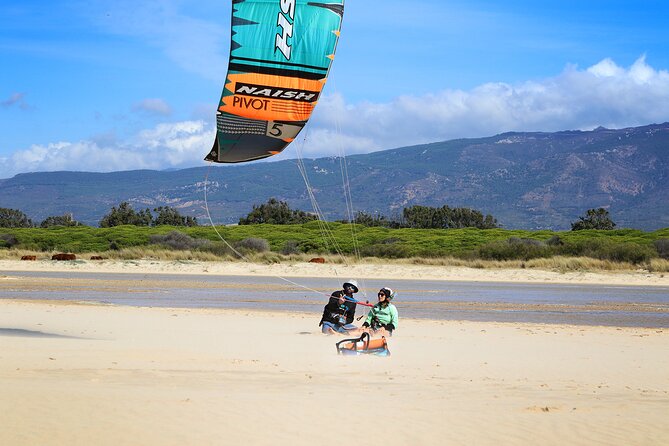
x=280, y=55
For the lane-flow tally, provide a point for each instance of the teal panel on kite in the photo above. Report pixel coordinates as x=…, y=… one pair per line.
x=280, y=56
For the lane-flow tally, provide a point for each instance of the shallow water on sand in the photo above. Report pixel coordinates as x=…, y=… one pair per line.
x=423, y=299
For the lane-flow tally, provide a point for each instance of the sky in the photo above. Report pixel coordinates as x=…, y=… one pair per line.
x=90, y=85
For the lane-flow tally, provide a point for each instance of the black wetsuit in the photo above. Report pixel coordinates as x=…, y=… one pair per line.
x=333, y=310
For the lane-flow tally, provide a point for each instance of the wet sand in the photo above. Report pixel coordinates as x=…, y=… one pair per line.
x=579, y=304
x=359, y=271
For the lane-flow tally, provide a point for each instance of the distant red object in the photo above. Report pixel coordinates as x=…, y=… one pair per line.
x=317, y=260
x=29, y=258
x=63, y=257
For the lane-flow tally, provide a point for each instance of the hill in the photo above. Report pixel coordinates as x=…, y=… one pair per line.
x=526, y=180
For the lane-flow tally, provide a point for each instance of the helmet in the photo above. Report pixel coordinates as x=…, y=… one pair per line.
x=353, y=284
x=388, y=292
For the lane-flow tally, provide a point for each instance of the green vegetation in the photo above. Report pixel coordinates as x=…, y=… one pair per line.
x=273, y=230
x=622, y=245
x=13, y=218
x=171, y=217
x=59, y=220
x=124, y=214
x=275, y=212
x=426, y=217
x=594, y=219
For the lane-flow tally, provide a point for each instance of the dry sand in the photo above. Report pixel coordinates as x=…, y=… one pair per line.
x=73, y=374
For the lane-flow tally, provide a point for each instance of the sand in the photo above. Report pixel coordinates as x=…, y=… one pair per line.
x=359, y=271
x=75, y=374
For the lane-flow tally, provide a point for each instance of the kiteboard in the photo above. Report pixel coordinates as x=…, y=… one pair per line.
x=364, y=345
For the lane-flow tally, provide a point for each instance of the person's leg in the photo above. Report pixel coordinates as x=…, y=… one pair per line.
x=328, y=328
x=351, y=329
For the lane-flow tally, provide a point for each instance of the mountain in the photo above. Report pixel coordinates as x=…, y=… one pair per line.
x=525, y=180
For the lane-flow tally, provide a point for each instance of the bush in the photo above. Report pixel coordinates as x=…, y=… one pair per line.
x=308, y=246
x=605, y=249
x=8, y=241
x=291, y=247
x=177, y=240
x=514, y=249
x=385, y=250
x=252, y=244
x=218, y=249
x=627, y=252
x=662, y=247
x=555, y=241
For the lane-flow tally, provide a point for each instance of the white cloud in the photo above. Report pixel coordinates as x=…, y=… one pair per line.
x=153, y=106
x=604, y=94
x=167, y=145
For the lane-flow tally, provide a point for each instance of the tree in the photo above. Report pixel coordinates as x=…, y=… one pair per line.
x=13, y=218
x=125, y=215
x=275, y=212
x=424, y=217
x=59, y=220
x=171, y=217
x=369, y=220
x=594, y=219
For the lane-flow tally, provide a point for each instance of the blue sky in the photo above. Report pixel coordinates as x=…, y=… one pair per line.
x=100, y=86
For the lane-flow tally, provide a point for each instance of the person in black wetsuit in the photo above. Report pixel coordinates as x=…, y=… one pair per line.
x=338, y=314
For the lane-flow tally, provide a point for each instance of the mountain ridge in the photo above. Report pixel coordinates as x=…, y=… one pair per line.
x=527, y=180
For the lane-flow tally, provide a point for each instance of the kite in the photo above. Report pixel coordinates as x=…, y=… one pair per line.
x=280, y=56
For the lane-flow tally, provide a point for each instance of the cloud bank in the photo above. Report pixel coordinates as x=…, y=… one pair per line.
x=604, y=94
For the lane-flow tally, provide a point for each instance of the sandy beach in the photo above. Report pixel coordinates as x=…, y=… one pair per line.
x=82, y=374
x=361, y=271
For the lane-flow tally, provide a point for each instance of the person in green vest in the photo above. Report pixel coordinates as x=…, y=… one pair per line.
x=383, y=316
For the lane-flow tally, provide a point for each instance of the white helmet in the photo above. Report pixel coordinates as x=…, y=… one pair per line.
x=353, y=284
x=388, y=292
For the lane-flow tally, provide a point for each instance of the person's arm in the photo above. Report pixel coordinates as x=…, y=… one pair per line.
x=394, y=318
x=368, y=320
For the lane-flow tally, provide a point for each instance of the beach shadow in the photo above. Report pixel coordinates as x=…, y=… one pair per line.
x=20, y=332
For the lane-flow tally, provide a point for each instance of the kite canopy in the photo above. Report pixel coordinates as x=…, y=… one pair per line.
x=280, y=55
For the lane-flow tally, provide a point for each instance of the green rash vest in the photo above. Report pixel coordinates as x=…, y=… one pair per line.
x=387, y=315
